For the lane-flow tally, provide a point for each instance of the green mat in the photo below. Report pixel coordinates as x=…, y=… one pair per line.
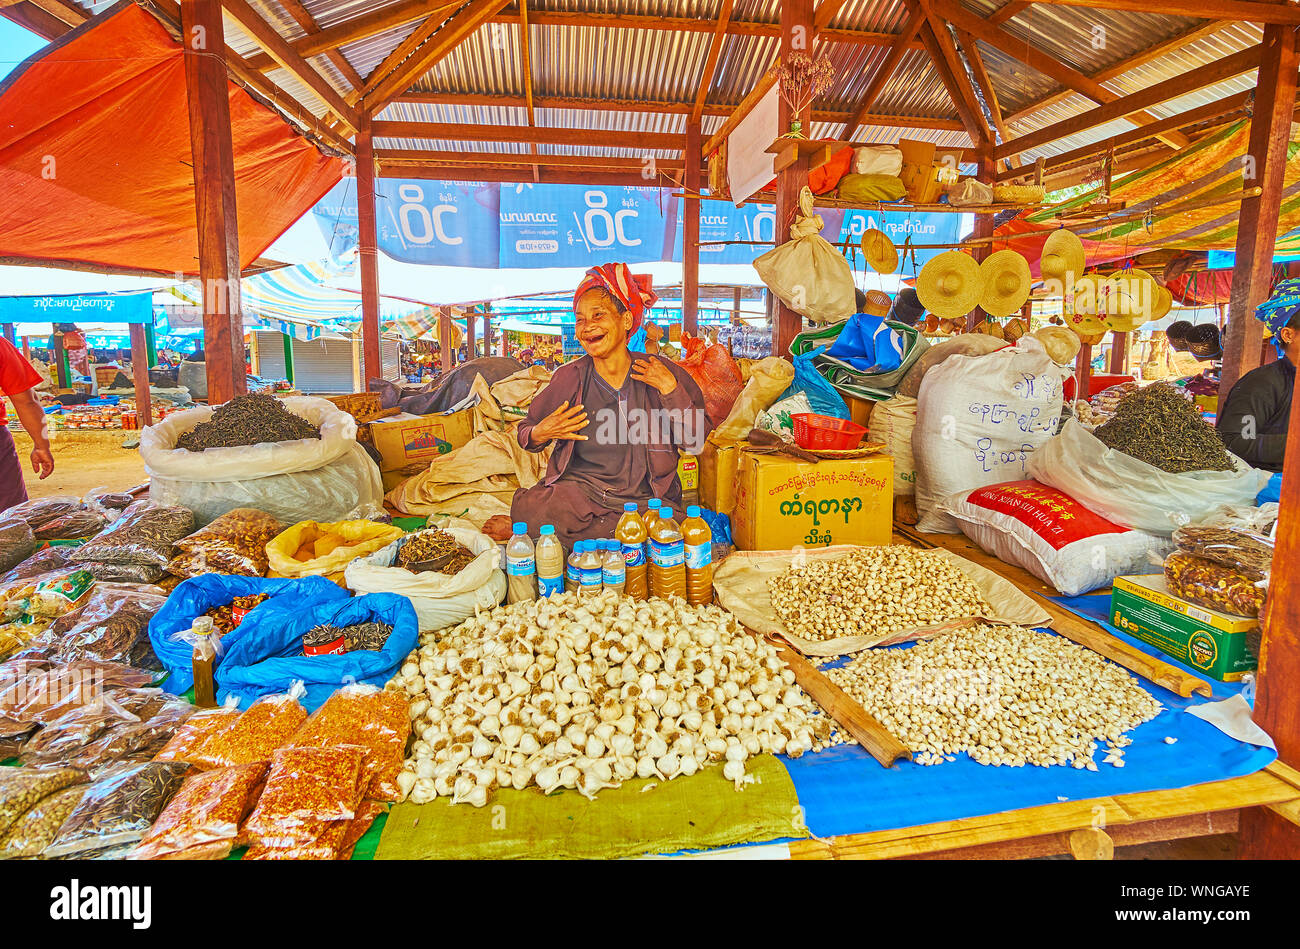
x=409, y=524
x=695, y=813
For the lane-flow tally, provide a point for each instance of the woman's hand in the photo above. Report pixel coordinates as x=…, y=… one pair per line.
x=564, y=422
x=654, y=373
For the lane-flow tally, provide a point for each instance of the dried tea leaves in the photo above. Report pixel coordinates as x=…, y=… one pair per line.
x=248, y=420
x=1156, y=425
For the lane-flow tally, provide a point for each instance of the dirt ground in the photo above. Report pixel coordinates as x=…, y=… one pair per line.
x=83, y=461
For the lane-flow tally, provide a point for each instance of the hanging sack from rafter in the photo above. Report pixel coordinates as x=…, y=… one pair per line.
x=808, y=274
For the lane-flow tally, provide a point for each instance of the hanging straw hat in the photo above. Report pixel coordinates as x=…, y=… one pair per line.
x=949, y=284
x=1063, y=258
x=1164, y=303
x=1203, y=342
x=1006, y=283
x=1085, y=294
x=1176, y=333
x=879, y=251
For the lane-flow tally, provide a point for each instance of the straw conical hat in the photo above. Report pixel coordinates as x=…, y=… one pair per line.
x=1063, y=258
x=949, y=284
x=1085, y=295
x=1164, y=303
x=879, y=251
x=1006, y=283
x=1060, y=343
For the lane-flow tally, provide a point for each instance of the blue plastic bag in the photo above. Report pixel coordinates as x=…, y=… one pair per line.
x=821, y=394
x=868, y=345
x=268, y=656
x=1272, y=490
x=197, y=595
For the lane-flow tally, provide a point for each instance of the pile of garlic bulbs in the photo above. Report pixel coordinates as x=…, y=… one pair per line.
x=586, y=692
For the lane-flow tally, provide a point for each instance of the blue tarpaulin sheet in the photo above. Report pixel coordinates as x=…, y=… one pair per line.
x=844, y=790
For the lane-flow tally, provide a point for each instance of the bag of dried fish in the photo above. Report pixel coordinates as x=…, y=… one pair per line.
x=68, y=734
x=327, y=639
x=125, y=572
x=22, y=788
x=115, y=500
x=138, y=741
x=207, y=810
x=144, y=534
x=119, y=809
x=233, y=543
x=16, y=542
x=84, y=523
x=13, y=735
x=35, y=830
x=38, y=512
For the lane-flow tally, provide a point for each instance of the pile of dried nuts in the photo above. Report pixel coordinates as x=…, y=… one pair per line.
x=1004, y=694
x=874, y=591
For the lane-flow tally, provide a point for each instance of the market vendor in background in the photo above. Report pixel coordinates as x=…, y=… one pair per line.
x=1253, y=419
x=18, y=380
x=615, y=423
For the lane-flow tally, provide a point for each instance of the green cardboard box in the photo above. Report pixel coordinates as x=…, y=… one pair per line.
x=1219, y=645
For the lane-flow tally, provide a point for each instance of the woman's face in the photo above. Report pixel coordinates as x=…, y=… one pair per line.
x=601, y=328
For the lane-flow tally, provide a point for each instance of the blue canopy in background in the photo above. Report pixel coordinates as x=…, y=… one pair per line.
x=79, y=308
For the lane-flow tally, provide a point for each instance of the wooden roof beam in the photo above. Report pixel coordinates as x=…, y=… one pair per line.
x=1118, y=69
x=970, y=47
x=711, y=61
x=1008, y=11
x=275, y=46
x=69, y=13
x=526, y=66
x=302, y=16
x=435, y=44
x=412, y=156
x=1252, y=11
x=1047, y=65
x=1198, y=78
x=32, y=18
x=885, y=72
x=521, y=175
x=454, y=131
x=938, y=41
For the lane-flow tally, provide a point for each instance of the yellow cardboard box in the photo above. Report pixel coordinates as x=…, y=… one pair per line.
x=718, y=463
x=407, y=441
x=783, y=503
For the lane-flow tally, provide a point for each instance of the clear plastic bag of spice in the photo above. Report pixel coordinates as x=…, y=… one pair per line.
x=268, y=724
x=235, y=543
x=1213, y=585
x=119, y=809
x=188, y=742
x=35, y=829
x=144, y=534
x=1246, y=552
x=376, y=719
x=204, y=815
x=305, y=788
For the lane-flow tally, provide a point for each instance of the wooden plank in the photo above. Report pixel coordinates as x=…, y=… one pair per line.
x=1286, y=14
x=275, y=46
x=1049, y=66
x=368, y=251
x=1063, y=622
x=435, y=45
x=1119, y=352
x=140, y=376
x=526, y=68
x=469, y=335
x=446, y=335
x=970, y=47
x=517, y=160
x=691, y=231
x=1198, y=78
x=1127, y=64
x=521, y=173
x=1259, y=789
x=839, y=705
x=362, y=27
x=208, y=101
x=947, y=63
x=303, y=18
x=452, y=131
x=1270, y=133
x=32, y=18
x=1008, y=11
x=69, y=13
x=885, y=71
x=711, y=60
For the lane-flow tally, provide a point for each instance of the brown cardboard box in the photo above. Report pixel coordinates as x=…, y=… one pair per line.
x=782, y=503
x=718, y=474
x=407, y=441
x=859, y=409
x=926, y=169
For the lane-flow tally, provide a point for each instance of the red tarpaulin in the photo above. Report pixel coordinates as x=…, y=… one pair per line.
x=95, y=162
x=1197, y=288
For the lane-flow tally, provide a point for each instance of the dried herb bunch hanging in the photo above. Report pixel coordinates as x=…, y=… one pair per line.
x=1159, y=426
x=802, y=79
x=248, y=420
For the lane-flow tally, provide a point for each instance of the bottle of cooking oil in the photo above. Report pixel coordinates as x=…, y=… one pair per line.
x=631, y=535
x=667, y=557
x=698, y=541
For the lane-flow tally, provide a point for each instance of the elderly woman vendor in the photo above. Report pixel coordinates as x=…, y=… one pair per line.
x=614, y=422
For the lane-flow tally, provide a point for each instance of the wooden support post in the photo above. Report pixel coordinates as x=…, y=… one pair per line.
x=487, y=332
x=1083, y=371
x=27, y=349
x=140, y=375
x=1265, y=167
x=368, y=250
x=1119, y=352
x=446, y=335
x=60, y=357
x=735, y=305
x=986, y=171
x=288, y=357
x=691, y=232
x=9, y=334
x=470, y=343
x=796, y=37
x=208, y=98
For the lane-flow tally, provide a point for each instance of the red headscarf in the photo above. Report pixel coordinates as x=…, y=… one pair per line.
x=631, y=290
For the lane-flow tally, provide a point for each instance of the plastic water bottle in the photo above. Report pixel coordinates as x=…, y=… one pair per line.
x=667, y=557
x=550, y=562
x=591, y=569
x=614, y=568
x=521, y=566
x=698, y=539
x=572, y=575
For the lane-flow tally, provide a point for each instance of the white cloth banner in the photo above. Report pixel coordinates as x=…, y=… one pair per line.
x=749, y=164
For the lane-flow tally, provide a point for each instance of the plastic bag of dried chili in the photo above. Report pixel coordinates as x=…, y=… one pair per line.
x=364, y=715
x=305, y=787
x=208, y=809
x=190, y=739
x=257, y=734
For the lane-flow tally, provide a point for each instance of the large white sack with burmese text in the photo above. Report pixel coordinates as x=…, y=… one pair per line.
x=978, y=421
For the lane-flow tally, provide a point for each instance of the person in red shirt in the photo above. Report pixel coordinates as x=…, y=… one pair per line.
x=17, y=379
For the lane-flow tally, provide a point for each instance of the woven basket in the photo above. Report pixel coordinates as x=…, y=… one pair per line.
x=1019, y=194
